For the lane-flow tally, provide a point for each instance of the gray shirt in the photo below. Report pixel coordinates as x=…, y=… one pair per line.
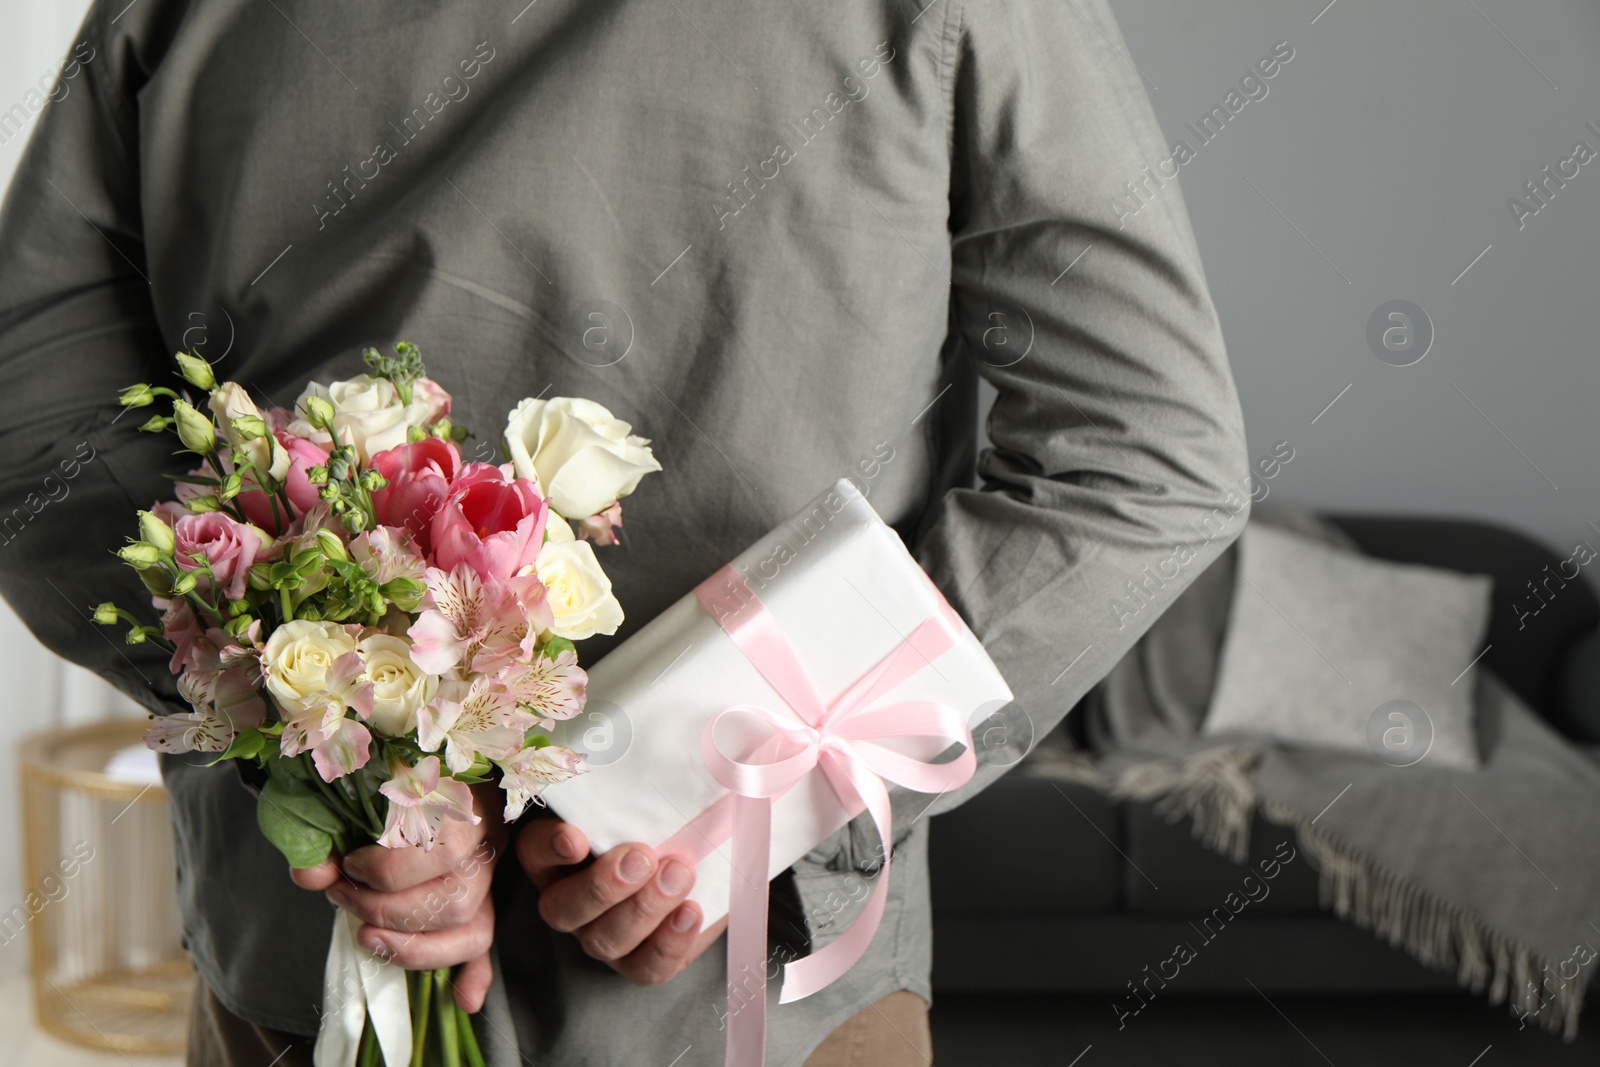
x=783, y=240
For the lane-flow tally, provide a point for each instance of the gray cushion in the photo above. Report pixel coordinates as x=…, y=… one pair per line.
x=1330, y=648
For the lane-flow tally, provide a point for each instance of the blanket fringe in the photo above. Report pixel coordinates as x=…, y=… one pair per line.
x=1213, y=789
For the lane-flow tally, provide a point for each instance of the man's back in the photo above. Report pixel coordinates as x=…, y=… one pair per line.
x=779, y=241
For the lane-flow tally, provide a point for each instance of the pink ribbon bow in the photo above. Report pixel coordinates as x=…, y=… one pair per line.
x=845, y=738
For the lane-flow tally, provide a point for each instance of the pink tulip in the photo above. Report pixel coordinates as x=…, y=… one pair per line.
x=303, y=496
x=419, y=476
x=492, y=521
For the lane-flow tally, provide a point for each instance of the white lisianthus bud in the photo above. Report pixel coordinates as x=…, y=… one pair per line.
x=196, y=371
x=194, y=429
x=153, y=529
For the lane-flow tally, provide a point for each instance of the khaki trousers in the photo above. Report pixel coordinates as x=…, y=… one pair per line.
x=892, y=1032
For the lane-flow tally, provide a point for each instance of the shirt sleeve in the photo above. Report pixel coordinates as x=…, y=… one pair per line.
x=1118, y=469
x=76, y=324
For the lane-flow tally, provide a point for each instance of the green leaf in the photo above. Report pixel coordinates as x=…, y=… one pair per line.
x=553, y=646
x=298, y=798
x=301, y=845
x=246, y=744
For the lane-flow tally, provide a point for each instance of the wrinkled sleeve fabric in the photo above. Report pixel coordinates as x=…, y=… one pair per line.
x=77, y=323
x=1118, y=447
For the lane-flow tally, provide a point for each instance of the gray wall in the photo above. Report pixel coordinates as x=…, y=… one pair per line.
x=1392, y=141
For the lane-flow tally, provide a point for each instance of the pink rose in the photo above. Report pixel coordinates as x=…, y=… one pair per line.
x=432, y=399
x=419, y=476
x=229, y=548
x=492, y=521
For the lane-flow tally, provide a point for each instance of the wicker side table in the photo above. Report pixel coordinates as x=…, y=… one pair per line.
x=107, y=966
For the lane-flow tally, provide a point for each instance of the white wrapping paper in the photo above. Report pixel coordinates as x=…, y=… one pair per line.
x=845, y=591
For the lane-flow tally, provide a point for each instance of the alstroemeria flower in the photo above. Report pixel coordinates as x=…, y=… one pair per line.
x=549, y=688
x=492, y=521
x=318, y=721
x=467, y=620
x=472, y=718
x=525, y=775
x=420, y=475
x=602, y=527
x=419, y=802
x=236, y=699
x=192, y=731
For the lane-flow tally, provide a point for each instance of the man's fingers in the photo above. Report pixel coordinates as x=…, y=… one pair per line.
x=666, y=951
x=316, y=878
x=545, y=846
x=581, y=897
x=391, y=870
x=435, y=948
x=447, y=901
x=472, y=984
x=621, y=928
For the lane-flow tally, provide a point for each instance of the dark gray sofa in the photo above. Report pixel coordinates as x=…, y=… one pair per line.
x=1042, y=885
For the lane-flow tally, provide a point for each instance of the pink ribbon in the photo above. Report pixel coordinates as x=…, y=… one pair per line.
x=844, y=737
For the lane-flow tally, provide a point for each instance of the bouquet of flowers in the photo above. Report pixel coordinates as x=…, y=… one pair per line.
x=371, y=624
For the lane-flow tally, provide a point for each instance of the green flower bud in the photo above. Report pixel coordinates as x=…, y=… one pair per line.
x=155, y=424
x=331, y=545
x=139, y=555
x=317, y=475
x=319, y=412
x=194, y=429
x=308, y=612
x=372, y=480
x=250, y=427
x=232, y=485
x=156, y=580
x=153, y=529
x=196, y=371
x=185, y=583
x=354, y=520
x=443, y=428
x=238, y=607
x=415, y=434
x=237, y=625
x=203, y=505
x=137, y=396
x=260, y=578
x=106, y=614
x=136, y=635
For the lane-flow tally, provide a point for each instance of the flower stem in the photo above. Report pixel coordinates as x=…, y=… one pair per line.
x=374, y=824
x=449, y=1034
x=338, y=798
x=422, y=1006
x=369, y=1055
x=469, y=1040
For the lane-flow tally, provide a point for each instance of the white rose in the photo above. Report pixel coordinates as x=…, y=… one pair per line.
x=297, y=656
x=229, y=401
x=579, y=592
x=367, y=414
x=581, y=457
x=557, y=531
x=399, y=686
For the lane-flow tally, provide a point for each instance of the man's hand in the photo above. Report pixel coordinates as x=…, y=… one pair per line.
x=626, y=908
x=423, y=910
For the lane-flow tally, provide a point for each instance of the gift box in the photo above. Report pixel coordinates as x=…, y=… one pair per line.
x=840, y=589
